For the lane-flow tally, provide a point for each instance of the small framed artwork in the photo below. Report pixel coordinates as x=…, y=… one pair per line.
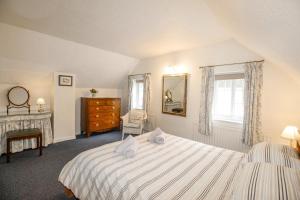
x=64, y=80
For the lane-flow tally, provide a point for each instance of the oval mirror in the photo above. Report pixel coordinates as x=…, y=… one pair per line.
x=18, y=96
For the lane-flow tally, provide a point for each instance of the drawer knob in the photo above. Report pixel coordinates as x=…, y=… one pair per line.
x=112, y=122
x=97, y=102
x=97, y=116
x=113, y=107
x=97, y=108
x=97, y=124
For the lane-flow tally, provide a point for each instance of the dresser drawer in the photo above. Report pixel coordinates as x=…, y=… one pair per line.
x=102, y=115
x=95, y=115
x=94, y=125
x=109, y=118
x=110, y=123
x=94, y=119
x=112, y=102
x=103, y=109
x=96, y=102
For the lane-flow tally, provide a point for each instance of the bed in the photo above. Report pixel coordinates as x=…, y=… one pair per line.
x=178, y=169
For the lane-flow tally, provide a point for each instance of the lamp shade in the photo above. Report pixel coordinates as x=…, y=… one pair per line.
x=290, y=132
x=40, y=101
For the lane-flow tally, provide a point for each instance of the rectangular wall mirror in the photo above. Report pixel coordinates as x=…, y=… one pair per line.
x=174, y=94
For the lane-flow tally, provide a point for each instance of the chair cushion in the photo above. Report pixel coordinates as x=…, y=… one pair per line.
x=135, y=116
x=132, y=125
x=23, y=133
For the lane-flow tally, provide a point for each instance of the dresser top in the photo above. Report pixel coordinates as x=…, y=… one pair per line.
x=100, y=98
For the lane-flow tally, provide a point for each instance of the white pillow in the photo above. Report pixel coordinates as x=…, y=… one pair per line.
x=263, y=181
x=273, y=153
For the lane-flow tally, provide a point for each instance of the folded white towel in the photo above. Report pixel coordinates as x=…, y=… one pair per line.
x=128, y=147
x=131, y=150
x=125, y=144
x=160, y=139
x=157, y=136
x=154, y=133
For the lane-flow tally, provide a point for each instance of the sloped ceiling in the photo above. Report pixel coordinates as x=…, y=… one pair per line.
x=136, y=28
x=22, y=49
x=270, y=27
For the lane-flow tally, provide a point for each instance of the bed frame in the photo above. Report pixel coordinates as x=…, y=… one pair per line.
x=69, y=193
x=298, y=146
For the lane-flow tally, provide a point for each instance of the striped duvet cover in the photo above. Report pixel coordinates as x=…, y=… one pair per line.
x=178, y=169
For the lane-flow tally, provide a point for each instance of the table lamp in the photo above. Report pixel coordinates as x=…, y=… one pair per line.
x=290, y=132
x=40, y=102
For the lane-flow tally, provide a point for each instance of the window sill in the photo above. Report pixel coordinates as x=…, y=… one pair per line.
x=227, y=121
x=228, y=124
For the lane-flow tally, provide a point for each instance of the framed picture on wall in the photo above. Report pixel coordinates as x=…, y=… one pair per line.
x=64, y=80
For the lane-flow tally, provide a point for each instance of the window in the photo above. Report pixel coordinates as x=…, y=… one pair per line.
x=137, y=100
x=228, y=103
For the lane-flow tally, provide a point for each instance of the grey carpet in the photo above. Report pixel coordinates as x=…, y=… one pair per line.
x=31, y=177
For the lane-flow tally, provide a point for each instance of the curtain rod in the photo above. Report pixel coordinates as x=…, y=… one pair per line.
x=138, y=74
x=237, y=63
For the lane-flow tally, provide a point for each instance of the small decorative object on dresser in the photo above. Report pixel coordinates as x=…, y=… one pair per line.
x=93, y=92
x=99, y=114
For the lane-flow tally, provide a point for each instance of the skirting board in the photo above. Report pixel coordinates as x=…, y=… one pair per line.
x=55, y=140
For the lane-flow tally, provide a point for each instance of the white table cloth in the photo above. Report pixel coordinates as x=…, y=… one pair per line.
x=24, y=121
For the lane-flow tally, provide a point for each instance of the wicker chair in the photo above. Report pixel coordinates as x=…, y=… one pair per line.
x=133, y=122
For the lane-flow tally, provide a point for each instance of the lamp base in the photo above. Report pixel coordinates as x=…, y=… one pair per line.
x=40, y=109
x=291, y=143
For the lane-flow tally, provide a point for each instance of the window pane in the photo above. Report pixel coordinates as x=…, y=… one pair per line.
x=238, y=106
x=137, y=94
x=228, y=103
x=222, y=99
x=140, y=96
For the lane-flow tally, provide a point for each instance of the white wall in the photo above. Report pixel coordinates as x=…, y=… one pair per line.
x=280, y=101
x=280, y=94
x=38, y=84
x=85, y=92
x=63, y=105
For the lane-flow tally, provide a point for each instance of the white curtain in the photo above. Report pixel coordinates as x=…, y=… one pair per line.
x=252, y=133
x=147, y=83
x=206, y=100
x=130, y=86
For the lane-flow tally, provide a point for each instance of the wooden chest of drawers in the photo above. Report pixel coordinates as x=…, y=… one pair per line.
x=99, y=114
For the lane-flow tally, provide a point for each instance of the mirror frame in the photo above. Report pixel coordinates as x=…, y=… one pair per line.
x=11, y=104
x=183, y=114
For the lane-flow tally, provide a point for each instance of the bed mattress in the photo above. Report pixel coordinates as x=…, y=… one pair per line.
x=178, y=169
